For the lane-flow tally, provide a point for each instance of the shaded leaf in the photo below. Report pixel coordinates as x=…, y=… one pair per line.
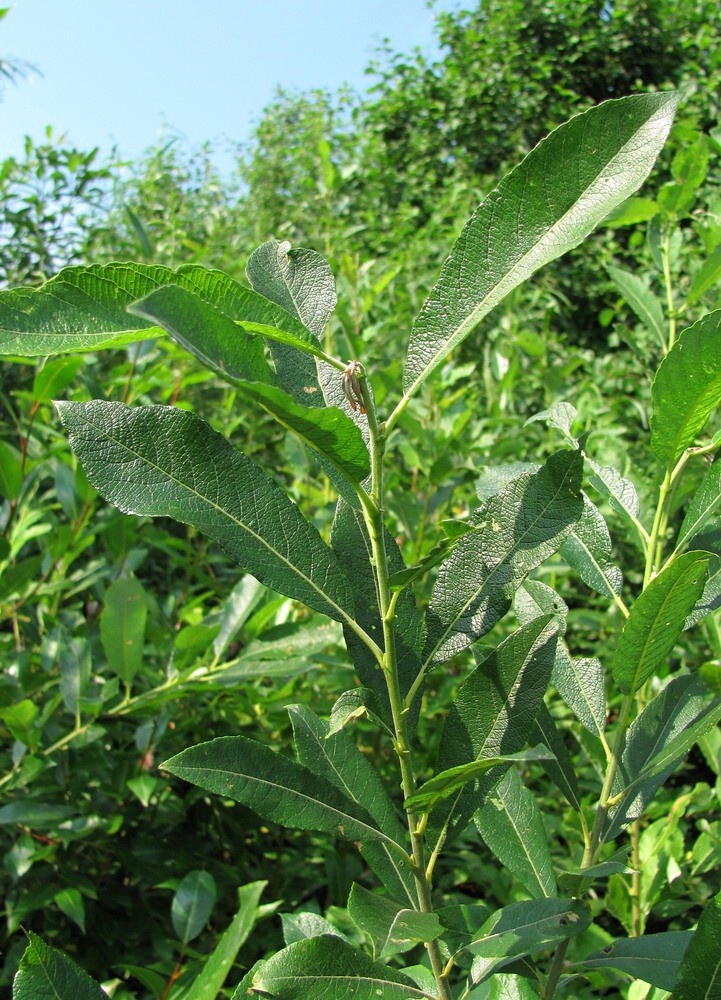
x=122, y=626
x=655, y=742
x=654, y=958
x=547, y=205
x=699, y=975
x=515, y=531
x=328, y=968
x=392, y=929
x=587, y=550
x=492, y=716
x=192, y=904
x=642, y=300
x=165, y=461
x=704, y=503
x=273, y=786
x=511, y=825
x=560, y=768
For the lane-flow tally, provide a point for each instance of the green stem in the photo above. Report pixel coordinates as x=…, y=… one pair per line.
x=373, y=513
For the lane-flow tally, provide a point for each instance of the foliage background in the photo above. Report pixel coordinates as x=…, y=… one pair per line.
x=94, y=840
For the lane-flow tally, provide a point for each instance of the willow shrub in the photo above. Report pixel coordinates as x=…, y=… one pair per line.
x=266, y=341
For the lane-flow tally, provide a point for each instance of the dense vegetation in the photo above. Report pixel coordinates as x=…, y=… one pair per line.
x=127, y=640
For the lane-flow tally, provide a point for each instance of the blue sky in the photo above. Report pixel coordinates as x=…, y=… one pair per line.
x=117, y=71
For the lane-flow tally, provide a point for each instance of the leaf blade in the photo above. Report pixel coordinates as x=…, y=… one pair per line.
x=165, y=461
x=567, y=185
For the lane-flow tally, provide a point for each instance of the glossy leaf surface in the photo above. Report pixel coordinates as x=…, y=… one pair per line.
x=328, y=968
x=657, y=620
x=85, y=308
x=686, y=389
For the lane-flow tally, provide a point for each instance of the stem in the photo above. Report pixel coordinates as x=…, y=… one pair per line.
x=373, y=513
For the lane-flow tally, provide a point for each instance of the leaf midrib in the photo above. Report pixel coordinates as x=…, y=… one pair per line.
x=503, y=562
x=477, y=314
x=234, y=520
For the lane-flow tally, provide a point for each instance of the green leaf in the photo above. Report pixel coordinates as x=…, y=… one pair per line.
x=75, y=660
x=641, y=299
x=443, y=785
x=220, y=961
x=238, y=606
x=192, y=904
x=328, y=968
x=54, y=377
x=203, y=330
x=621, y=492
x=162, y=461
x=704, y=503
x=356, y=704
x=699, y=975
x=328, y=431
x=276, y=788
x=214, y=340
x=11, y=472
x=527, y=927
x=655, y=742
x=706, y=278
x=587, y=549
x=493, y=714
x=560, y=768
x=72, y=904
x=547, y=205
x=337, y=759
x=511, y=825
x=299, y=280
x=122, y=626
x=581, y=684
x=514, y=532
x=654, y=958
x=631, y=212
x=392, y=929
x=299, y=926
x=686, y=389
x=283, y=651
x=85, y=308
x=505, y=986
x=657, y=619
x=302, y=284
x=46, y=973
